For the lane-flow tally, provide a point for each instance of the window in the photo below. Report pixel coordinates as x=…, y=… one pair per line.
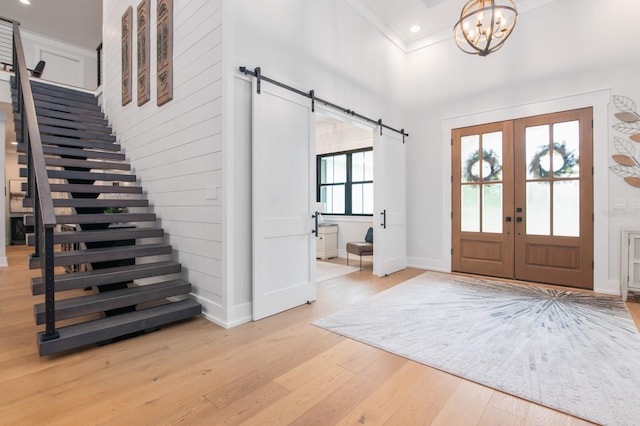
x=345, y=182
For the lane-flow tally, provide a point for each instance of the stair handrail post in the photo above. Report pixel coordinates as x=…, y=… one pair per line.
x=38, y=181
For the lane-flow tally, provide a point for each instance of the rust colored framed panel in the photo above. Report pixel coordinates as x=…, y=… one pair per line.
x=144, y=71
x=127, y=21
x=165, y=51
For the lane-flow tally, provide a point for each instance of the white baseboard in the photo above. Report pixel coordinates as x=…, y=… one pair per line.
x=4, y=262
x=430, y=264
x=215, y=313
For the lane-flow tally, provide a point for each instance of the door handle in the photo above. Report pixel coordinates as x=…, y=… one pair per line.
x=518, y=219
x=384, y=219
x=508, y=219
x=315, y=230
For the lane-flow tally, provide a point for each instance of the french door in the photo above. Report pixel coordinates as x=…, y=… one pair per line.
x=522, y=199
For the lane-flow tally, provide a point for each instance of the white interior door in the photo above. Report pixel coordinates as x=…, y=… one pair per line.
x=283, y=158
x=389, y=230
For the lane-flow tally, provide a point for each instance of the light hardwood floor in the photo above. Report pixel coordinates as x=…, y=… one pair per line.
x=280, y=370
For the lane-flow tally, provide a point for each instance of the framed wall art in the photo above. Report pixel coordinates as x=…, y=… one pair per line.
x=127, y=20
x=165, y=51
x=144, y=72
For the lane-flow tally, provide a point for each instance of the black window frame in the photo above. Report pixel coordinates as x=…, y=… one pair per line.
x=347, y=184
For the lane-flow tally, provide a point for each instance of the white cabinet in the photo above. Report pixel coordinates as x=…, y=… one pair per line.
x=327, y=241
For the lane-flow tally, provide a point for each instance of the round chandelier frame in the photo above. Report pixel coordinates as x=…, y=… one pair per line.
x=485, y=25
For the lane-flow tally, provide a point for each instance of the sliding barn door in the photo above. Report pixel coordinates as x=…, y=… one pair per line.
x=389, y=222
x=283, y=183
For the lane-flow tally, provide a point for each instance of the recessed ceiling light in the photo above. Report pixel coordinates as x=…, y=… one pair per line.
x=414, y=28
x=25, y=1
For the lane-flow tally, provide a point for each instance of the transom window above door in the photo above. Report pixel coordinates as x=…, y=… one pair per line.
x=345, y=182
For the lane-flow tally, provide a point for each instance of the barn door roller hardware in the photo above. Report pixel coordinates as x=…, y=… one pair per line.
x=257, y=73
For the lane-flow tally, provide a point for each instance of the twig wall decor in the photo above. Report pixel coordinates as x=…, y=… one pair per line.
x=628, y=166
x=144, y=72
x=127, y=20
x=165, y=51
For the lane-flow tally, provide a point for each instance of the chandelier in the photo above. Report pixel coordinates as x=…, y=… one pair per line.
x=484, y=25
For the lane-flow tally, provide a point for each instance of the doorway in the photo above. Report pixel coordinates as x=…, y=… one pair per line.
x=522, y=199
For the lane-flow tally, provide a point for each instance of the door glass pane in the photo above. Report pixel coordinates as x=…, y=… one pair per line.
x=566, y=146
x=469, y=157
x=492, y=156
x=538, y=161
x=492, y=208
x=566, y=208
x=538, y=208
x=470, y=211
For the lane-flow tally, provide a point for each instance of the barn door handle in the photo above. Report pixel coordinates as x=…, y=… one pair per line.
x=518, y=219
x=508, y=219
x=384, y=219
x=315, y=229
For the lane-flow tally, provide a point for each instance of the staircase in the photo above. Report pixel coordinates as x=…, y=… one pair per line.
x=101, y=245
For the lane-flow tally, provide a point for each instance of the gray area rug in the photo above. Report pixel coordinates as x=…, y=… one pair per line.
x=571, y=351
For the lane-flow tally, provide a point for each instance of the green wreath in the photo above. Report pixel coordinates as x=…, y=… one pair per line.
x=568, y=158
x=489, y=157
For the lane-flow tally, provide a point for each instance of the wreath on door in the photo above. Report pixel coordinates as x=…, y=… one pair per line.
x=488, y=169
x=569, y=162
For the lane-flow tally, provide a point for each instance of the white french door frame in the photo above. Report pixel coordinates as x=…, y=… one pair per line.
x=599, y=101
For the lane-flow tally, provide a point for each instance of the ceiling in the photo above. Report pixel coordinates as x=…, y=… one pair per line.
x=77, y=22
x=436, y=18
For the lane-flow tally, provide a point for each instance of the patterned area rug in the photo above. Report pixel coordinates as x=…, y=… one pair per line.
x=574, y=352
x=326, y=271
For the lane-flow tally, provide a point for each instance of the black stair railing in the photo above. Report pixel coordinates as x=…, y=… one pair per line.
x=38, y=188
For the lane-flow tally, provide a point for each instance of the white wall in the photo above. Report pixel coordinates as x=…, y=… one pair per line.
x=555, y=59
x=176, y=149
x=65, y=63
x=321, y=45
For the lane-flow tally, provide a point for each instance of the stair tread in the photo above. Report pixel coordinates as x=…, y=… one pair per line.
x=78, y=163
x=93, y=202
x=41, y=84
x=67, y=219
x=104, y=254
x=101, y=127
x=74, y=280
x=106, y=235
x=78, y=335
x=70, y=109
x=92, y=251
x=84, y=143
x=70, y=117
x=77, y=152
x=106, y=300
x=74, y=174
x=103, y=189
